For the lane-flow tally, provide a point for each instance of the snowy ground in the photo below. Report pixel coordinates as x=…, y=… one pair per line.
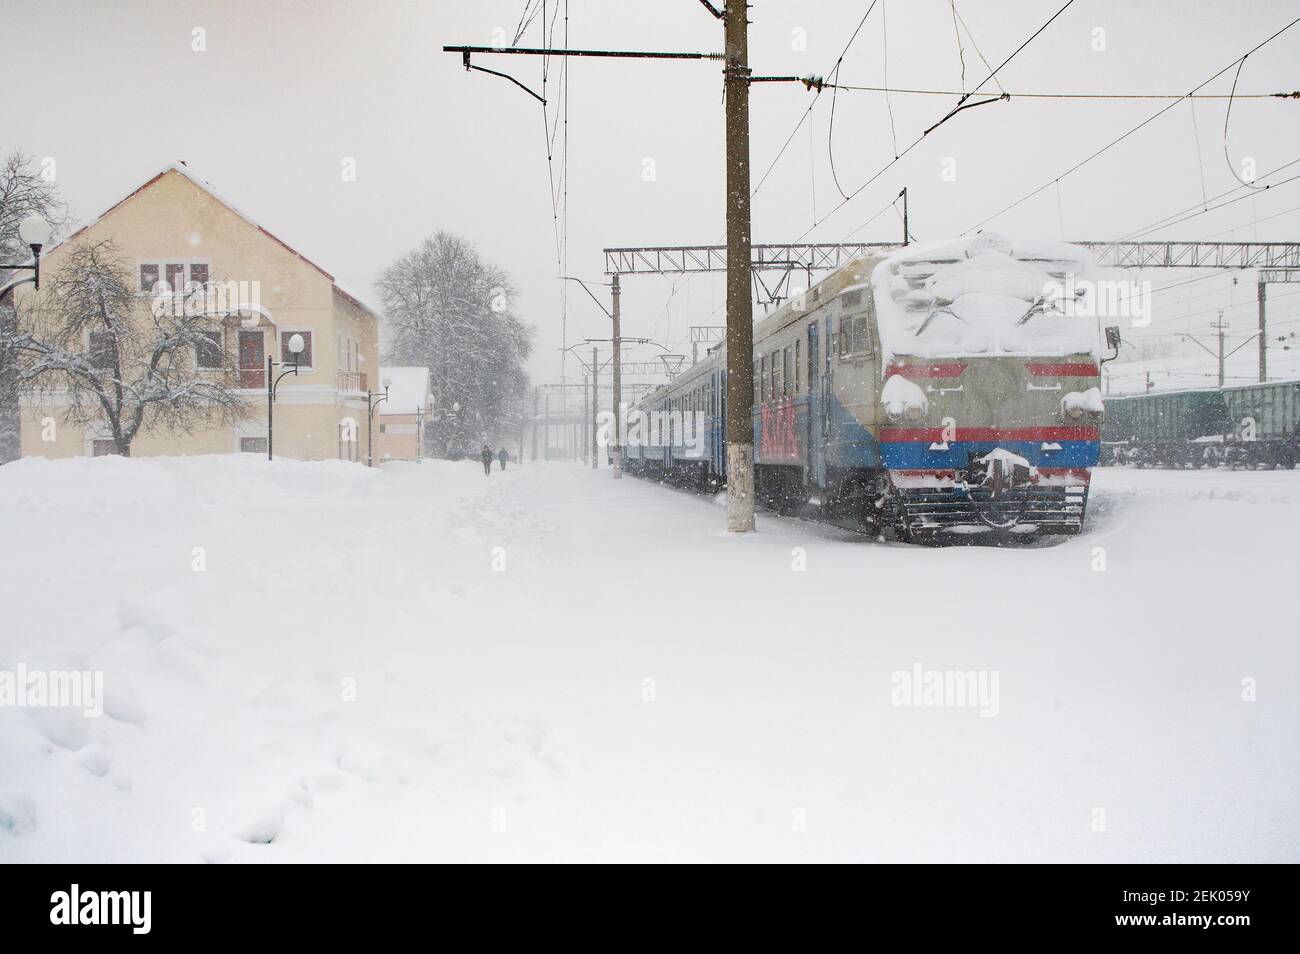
x=351, y=679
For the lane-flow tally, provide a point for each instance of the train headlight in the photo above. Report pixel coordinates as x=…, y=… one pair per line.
x=914, y=412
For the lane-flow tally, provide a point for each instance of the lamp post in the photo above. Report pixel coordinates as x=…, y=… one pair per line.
x=419, y=434
x=371, y=404
x=35, y=233
x=296, y=345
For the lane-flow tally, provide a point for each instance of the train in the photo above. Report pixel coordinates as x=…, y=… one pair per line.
x=938, y=389
x=1250, y=426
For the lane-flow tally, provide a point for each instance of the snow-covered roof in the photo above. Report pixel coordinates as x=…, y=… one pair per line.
x=409, y=389
x=183, y=169
x=982, y=295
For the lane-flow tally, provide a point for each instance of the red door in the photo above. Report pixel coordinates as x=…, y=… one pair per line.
x=252, y=360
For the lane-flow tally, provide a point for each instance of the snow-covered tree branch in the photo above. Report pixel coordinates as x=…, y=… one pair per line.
x=23, y=190
x=113, y=359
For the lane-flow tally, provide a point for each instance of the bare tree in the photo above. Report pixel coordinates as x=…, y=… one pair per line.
x=23, y=190
x=122, y=362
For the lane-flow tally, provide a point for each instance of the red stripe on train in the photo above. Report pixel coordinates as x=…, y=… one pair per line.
x=911, y=371
x=984, y=434
x=1073, y=370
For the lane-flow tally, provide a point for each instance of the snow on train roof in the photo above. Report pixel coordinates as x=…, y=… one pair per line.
x=984, y=295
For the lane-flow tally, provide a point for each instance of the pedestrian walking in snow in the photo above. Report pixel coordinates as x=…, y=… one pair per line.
x=503, y=457
x=485, y=455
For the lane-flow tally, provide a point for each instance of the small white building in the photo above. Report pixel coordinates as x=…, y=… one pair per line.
x=403, y=417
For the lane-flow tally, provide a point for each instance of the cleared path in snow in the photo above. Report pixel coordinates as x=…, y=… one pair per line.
x=421, y=663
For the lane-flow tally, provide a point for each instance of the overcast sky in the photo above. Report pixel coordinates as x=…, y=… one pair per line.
x=112, y=91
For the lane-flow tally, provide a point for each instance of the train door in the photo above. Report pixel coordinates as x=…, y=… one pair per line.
x=672, y=433
x=816, y=410
x=828, y=389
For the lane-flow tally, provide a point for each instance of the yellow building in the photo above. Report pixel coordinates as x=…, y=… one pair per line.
x=176, y=229
x=404, y=415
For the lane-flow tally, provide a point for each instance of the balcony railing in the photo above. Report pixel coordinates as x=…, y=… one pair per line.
x=354, y=381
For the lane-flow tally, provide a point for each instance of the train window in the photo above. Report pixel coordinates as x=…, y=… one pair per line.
x=854, y=336
x=762, y=379
x=797, y=362
x=787, y=371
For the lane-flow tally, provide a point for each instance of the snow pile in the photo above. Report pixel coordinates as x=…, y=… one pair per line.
x=1007, y=460
x=1079, y=402
x=420, y=663
x=902, y=397
x=986, y=295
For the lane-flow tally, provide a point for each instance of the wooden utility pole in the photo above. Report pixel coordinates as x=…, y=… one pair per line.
x=617, y=446
x=740, y=319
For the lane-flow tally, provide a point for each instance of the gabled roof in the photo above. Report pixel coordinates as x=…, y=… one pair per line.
x=184, y=170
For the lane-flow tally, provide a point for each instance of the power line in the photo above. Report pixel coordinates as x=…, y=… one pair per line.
x=1093, y=96
x=960, y=106
x=1140, y=125
x=835, y=72
x=1227, y=117
x=1275, y=215
x=1213, y=208
x=1160, y=223
x=804, y=117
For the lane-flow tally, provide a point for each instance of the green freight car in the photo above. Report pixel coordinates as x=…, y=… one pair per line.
x=1249, y=426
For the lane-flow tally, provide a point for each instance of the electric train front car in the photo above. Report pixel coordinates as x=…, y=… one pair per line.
x=990, y=409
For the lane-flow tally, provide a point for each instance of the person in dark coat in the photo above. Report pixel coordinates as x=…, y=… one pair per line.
x=485, y=455
x=503, y=457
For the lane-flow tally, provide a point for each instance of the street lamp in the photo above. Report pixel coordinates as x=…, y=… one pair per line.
x=295, y=345
x=35, y=232
x=371, y=404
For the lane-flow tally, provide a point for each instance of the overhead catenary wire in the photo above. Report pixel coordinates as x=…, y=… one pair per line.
x=808, y=111
x=1214, y=208
x=853, y=88
x=1227, y=118
x=1160, y=223
x=835, y=71
x=1114, y=142
x=1275, y=215
x=961, y=105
